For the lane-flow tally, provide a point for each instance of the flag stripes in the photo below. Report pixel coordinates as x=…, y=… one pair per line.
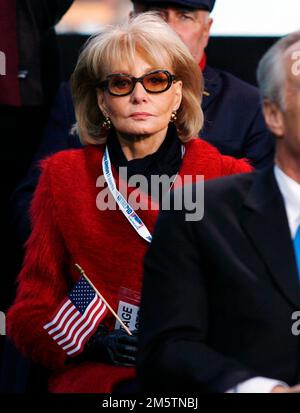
x=77, y=318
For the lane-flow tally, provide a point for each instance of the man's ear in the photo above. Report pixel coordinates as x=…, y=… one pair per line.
x=206, y=32
x=274, y=118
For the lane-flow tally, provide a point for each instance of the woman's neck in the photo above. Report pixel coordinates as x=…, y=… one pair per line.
x=137, y=147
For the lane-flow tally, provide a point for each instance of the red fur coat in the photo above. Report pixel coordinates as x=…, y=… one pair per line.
x=68, y=228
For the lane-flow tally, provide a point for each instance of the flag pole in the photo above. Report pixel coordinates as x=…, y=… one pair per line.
x=103, y=299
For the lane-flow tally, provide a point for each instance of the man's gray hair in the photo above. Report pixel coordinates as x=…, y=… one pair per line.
x=271, y=72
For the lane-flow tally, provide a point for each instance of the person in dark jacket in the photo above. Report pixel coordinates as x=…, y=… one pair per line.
x=29, y=80
x=27, y=90
x=221, y=297
x=233, y=118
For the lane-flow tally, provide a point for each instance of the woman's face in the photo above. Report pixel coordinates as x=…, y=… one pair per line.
x=141, y=113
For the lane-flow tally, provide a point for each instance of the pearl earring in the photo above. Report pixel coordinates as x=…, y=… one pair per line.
x=173, y=116
x=106, y=124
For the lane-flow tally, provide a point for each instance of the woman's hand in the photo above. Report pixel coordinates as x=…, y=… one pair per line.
x=113, y=347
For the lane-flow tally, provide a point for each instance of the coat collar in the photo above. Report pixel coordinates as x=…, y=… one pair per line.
x=212, y=86
x=265, y=221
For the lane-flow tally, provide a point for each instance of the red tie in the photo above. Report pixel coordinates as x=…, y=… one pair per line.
x=9, y=82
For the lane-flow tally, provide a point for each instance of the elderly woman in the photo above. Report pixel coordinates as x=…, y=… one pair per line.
x=136, y=92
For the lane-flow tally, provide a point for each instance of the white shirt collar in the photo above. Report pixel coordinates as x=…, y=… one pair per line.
x=290, y=191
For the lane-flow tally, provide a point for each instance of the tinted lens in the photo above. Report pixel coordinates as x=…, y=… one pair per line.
x=153, y=82
x=120, y=85
x=156, y=82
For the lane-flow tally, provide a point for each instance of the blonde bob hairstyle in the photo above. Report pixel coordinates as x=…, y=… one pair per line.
x=115, y=48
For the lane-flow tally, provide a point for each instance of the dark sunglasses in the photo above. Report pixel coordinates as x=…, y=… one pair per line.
x=121, y=84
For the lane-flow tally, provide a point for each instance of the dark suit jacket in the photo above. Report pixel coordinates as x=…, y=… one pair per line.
x=219, y=293
x=38, y=50
x=57, y=137
x=233, y=119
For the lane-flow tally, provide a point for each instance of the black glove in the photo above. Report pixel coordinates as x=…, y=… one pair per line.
x=112, y=347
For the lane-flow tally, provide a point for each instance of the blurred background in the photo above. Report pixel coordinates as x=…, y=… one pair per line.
x=241, y=32
x=231, y=17
x=88, y=16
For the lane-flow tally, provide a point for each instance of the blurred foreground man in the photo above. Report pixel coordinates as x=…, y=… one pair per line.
x=221, y=300
x=232, y=112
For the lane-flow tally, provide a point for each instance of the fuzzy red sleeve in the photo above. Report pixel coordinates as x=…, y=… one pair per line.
x=41, y=283
x=232, y=165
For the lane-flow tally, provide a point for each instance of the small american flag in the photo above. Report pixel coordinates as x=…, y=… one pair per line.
x=77, y=318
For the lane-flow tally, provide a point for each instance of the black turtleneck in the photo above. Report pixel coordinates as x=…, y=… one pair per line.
x=165, y=161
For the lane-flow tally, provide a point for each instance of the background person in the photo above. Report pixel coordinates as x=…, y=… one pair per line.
x=27, y=89
x=233, y=120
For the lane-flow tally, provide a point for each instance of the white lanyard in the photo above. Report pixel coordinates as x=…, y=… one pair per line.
x=124, y=206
